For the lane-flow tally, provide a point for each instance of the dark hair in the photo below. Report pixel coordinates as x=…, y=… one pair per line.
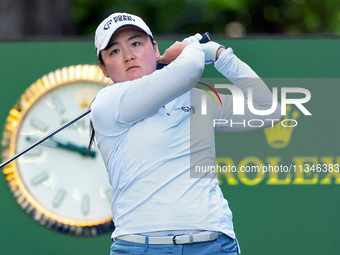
x=100, y=59
x=92, y=134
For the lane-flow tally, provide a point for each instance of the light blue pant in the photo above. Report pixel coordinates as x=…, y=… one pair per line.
x=222, y=245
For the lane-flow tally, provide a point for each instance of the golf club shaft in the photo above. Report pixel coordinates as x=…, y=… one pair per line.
x=45, y=138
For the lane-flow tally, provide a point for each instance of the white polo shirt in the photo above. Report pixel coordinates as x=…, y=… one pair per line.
x=150, y=131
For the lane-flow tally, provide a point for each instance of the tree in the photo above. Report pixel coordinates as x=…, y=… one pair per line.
x=188, y=16
x=36, y=17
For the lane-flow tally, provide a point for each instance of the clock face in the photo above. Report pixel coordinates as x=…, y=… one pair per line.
x=59, y=184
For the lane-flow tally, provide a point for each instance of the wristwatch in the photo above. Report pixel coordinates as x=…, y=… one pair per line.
x=57, y=183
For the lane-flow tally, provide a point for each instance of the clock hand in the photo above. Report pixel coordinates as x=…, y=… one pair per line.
x=71, y=146
x=57, y=142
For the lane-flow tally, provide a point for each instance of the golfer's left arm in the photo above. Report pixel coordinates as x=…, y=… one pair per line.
x=243, y=77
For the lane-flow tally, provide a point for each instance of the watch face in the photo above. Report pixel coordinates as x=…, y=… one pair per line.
x=58, y=182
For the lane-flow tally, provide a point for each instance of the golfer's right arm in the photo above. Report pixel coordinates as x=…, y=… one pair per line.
x=145, y=96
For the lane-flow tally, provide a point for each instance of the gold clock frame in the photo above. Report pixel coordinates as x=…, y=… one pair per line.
x=53, y=80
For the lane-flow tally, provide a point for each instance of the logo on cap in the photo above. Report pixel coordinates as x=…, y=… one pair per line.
x=118, y=18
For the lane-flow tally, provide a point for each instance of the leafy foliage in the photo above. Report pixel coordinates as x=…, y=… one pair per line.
x=188, y=16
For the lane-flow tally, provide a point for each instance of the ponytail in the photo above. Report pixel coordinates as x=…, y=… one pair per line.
x=92, y=134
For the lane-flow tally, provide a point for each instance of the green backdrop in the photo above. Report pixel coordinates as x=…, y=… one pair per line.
x=269, y=218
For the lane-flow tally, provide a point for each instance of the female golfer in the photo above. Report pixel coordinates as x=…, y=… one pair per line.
x=151, y=134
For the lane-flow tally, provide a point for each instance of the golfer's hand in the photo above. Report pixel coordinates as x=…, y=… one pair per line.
x=212, y=51
x=193, y=39
x=172, y=52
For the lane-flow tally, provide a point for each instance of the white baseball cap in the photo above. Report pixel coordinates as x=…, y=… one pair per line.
x=114, y=22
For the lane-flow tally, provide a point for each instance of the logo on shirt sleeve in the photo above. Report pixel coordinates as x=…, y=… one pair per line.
x=186, y=109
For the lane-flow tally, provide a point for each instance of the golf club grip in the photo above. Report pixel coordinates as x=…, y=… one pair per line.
x=206, y=37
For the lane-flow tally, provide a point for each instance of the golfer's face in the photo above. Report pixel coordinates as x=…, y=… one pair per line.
x=130, y=55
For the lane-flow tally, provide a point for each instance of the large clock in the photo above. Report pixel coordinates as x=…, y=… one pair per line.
x=57, y=183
